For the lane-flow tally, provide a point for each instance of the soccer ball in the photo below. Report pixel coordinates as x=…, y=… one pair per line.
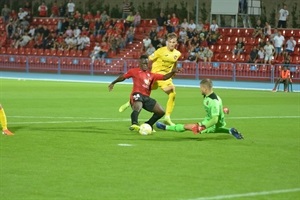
x=145, y=129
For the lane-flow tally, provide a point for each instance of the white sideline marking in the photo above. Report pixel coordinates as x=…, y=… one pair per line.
x=251, y=194
x=125, y=145
x=95, y=120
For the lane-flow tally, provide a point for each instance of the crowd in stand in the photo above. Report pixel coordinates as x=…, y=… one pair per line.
x=100, y=34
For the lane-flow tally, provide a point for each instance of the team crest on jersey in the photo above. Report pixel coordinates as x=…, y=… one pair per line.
x=175, y=57
x=207, y=103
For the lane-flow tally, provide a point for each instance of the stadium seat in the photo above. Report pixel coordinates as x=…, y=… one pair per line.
x=53, y=52
x=296, y=60
x=73, y=52
x=40, y=52
x=78, y=53
x=86, y=53
x=2, y=50
x=47, y=52
x=66, y=52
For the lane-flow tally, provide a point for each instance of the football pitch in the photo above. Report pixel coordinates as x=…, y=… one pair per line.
x=71, y=143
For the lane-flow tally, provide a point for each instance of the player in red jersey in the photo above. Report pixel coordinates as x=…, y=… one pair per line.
x=143, y=80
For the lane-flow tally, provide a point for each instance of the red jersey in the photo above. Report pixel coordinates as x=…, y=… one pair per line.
x=43, y=10
x=142, y=80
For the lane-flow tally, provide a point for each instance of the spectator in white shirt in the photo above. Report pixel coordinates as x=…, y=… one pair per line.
x=269, y=51
x=214, y=26
x=278, y=43
x=76, y=32
x=184, y=24
x=290, y=46
x=283, y=17
x=22, y=14
x=192, y=25
x=146, y=42
x=71, y=8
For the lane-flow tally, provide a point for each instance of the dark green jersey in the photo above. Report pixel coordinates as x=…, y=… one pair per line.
x=213, y=107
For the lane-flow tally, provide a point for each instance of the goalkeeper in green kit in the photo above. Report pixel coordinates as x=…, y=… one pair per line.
x=214, y=121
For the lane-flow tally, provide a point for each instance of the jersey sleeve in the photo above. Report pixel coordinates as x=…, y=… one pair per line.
x=129, y=74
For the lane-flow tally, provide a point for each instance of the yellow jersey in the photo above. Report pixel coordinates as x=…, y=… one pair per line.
x=164, y=60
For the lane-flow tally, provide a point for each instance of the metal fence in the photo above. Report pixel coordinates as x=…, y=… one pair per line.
x=109, y=66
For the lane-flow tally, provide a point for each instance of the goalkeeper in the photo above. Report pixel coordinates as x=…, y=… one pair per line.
x=214, y=121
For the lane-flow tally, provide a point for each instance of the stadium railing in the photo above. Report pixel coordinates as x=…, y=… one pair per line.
x=191, y=70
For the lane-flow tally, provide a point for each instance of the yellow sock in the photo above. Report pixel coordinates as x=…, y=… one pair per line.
x=3, y=119
x=170, y=103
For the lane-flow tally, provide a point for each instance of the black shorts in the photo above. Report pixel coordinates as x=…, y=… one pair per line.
x=148, y=102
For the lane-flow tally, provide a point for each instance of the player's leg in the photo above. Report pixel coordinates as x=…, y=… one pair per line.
x=169, y=88
x=137, y=106
x=276, y=84
x=152, y=106
x=3, y=121
x=124, y=106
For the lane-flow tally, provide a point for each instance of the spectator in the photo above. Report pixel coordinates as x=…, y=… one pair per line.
x=283, y=17
x=161, y=21
x=285, y=77
x=13, y=15
x=71, y=8
x=20, y=40
x=54, y=10
x=168, y=24
x=253, y=55
x=129, y=35
x=212, y=38
x=260, y=55
x=43, y=10
x=119, y=27
x=105, y=47
x=152, y=33
x=120, y=42
x=98, y=15
x=182, y=38
x=214, y=26
x=192, y=25
x=27, y=6
x=95, y=53
x=76, y=32
x=289, y=46
x=267, y=30
x=239, y=47
x=150, y=50
x=5, y=12
x=174, y=22
x=10, y=28
x=69, y=32
x=184, y=24
x=156, y=42
x=205, y=54
x=126, y=9
x=137, y=19
x=62, y=10
x=38, y=40
x=269, y=51
x=199, y=26
x=258, y=29
x=85, y=42
x=146, y=42
x=104, y=17
x=278, y=43
x=22, y=14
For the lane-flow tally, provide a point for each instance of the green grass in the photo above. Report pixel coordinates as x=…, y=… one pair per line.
x=67, y=134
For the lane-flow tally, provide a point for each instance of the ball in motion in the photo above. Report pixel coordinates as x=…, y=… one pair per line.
x=226, y=110
x=145, y=129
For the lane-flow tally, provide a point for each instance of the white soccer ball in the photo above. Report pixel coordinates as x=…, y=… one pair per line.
x=145, y=129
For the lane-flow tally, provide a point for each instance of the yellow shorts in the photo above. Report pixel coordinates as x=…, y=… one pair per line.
x=162, y=84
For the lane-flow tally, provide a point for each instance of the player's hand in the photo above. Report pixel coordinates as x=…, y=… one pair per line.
x=226, y=110
x=110, y=87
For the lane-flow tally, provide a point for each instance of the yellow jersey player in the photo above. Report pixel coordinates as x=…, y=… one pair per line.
x=164, y=60
x=3, y=121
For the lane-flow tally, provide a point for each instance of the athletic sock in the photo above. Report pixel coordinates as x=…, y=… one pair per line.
x=170, y=103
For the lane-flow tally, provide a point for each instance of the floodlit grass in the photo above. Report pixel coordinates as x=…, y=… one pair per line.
x=68, y=145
